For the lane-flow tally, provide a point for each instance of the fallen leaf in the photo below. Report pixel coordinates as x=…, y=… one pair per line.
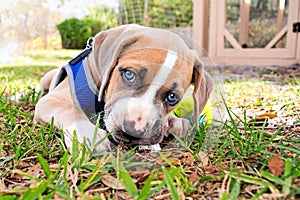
x=204, y=158
x=121, y=195
x=276, y=165
x=175, y=161
x=161, y=176
x=34, y=170
x=112, y=182
x=296, y=129
x=267, y=116
x=193, y=177
x=160, y=160
x=141, y=173
x=187, y=158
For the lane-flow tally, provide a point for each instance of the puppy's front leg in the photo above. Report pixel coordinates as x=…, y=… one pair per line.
x=85, y=130
x=67, y=116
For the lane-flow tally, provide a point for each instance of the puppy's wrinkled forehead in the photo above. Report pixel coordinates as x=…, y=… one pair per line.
x=156, y=71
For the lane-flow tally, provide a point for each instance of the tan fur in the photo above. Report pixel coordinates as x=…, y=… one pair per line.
x=128, y=46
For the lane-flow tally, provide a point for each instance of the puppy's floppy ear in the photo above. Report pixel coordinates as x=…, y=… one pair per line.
x=107, y=46
x=203, y=85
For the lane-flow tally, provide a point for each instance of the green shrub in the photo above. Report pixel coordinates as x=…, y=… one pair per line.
x=75, y=33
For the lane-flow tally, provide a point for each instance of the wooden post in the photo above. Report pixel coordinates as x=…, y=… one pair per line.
x=200, y=22
x=244, y=23
x=280, y=15
x=298, y=40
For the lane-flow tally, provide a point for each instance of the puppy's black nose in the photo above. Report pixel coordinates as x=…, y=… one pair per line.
x=129, y=129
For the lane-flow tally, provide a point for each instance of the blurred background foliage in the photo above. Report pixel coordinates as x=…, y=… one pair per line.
x=156, y=13
x=36, y=25
x=75, y=32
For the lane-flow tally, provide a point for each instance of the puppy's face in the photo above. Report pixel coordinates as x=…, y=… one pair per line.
x=144, y=87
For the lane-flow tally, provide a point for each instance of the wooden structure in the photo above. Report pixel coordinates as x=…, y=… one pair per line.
x=210, y=31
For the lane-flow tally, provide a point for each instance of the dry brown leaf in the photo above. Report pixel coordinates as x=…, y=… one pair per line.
x=34, y=170
x=267, y=116
x=204, y=158
x=276, y=165
x=160, y=160
x=54, y=166
x=112, y=182
x=161, y=176
x=140, y=173
x=296, y=129
x=187, y=158
x=162, y=196
x=193, y=177
x=175, y=161
x=122, y=195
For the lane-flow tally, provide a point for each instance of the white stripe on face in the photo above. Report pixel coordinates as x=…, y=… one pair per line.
x=141, y=109
x=161, y=76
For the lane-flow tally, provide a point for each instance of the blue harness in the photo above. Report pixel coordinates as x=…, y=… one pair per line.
x=83, y=88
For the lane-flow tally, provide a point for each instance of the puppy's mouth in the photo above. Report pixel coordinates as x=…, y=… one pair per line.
x=119, y=136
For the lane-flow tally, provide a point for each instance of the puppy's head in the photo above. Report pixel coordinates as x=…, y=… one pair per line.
x=144, y=73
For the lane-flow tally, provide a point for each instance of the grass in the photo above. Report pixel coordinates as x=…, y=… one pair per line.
x=34, y=163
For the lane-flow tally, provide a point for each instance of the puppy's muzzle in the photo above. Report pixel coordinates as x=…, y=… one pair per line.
x=146, y=136
x=129, y=127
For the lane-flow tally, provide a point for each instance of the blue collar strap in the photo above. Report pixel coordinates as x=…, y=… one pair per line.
x=82, y=86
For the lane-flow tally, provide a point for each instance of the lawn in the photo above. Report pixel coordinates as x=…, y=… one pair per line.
x=254, y=154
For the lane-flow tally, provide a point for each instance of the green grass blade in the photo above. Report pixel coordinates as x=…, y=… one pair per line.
x=26, y=175
x=45, y=166
x=146, y=191
x=182, y=143
x=251, y=179
x=94, y=174
x=166, y=159
x=287, y=176
x=75, y=149
x=102, y=139
x=170, y=184
x=8, y=197
x=34, y=193
x=279, y=146
x=272, y=178
x=124, y=176
x=235, y=190
x=259, y=193
x=62, y=162
x=128, y=182
x=83, y=152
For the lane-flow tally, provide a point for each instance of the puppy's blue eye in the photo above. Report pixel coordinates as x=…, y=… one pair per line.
x=172, y=98
x=129, y=75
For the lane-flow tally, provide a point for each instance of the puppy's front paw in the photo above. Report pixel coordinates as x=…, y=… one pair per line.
x=178, y=126
x=152, y=148
x=85, y=133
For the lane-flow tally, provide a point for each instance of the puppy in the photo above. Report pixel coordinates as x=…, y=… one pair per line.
x=133, y=77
